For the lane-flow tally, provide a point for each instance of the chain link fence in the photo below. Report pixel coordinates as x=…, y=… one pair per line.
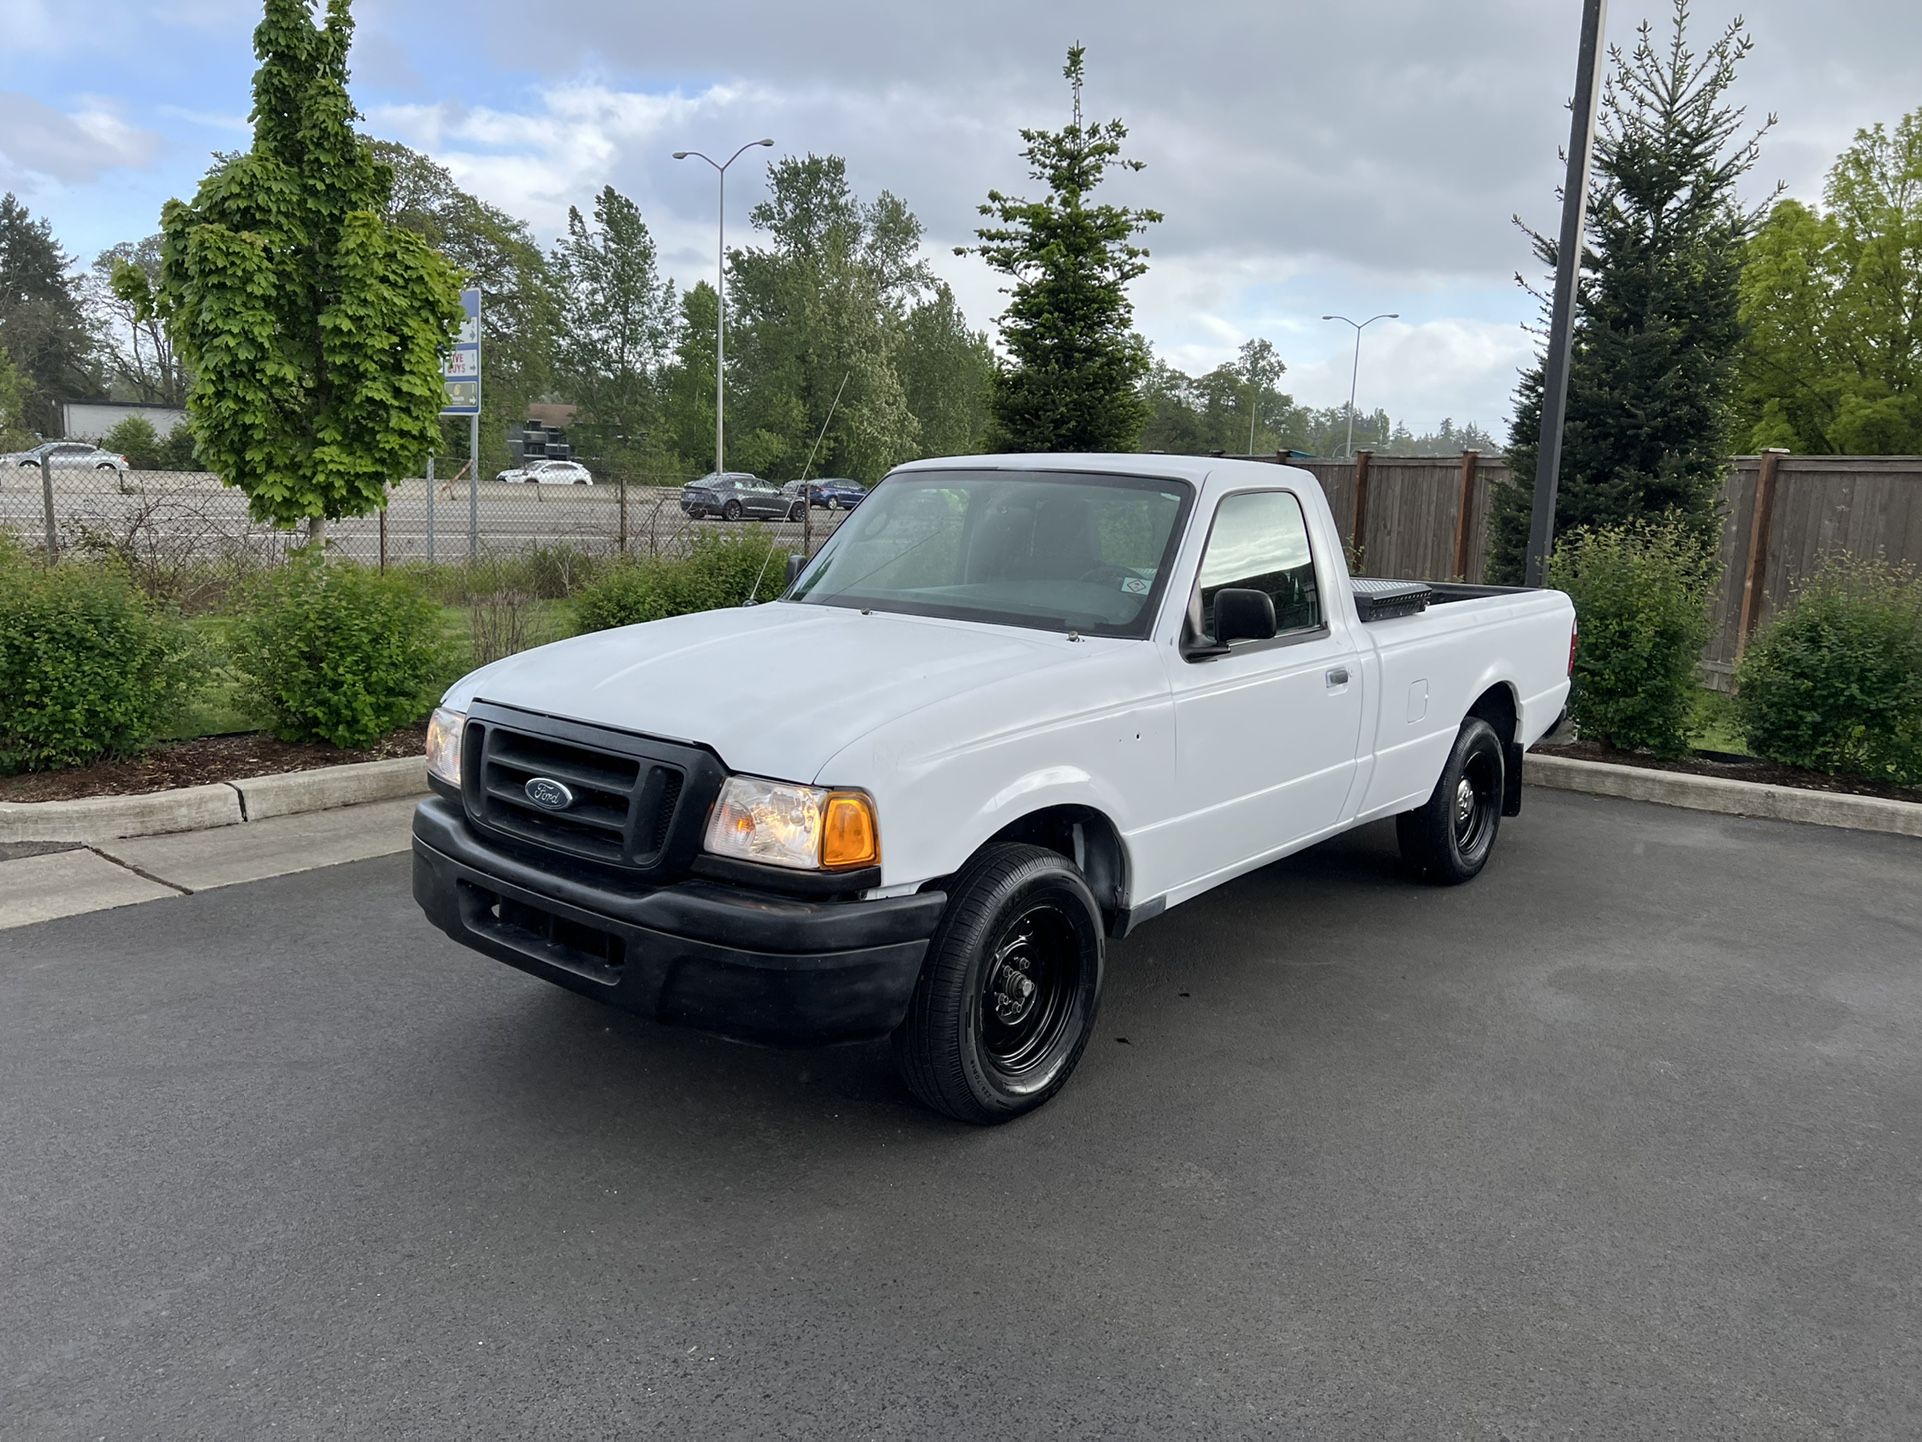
x=182, y=533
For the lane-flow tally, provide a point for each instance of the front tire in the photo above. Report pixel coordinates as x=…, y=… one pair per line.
x=1448, y=839
x=1007, y=997
x=797, y=512
x=731, y=511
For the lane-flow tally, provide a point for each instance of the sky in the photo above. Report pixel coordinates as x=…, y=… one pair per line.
x=1310, y=158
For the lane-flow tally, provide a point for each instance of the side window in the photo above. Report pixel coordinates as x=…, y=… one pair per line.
x=1260, y=542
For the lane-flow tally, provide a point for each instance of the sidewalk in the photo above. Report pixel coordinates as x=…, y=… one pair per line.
x=52, y=883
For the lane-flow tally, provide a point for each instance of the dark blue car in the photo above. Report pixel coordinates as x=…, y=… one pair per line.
x=836, y=494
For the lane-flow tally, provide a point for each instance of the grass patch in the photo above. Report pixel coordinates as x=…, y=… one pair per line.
x=1713, y=726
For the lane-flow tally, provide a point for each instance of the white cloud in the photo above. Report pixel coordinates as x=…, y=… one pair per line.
x=42, y=146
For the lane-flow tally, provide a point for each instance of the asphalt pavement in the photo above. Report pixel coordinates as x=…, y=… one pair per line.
x=1622, y=1140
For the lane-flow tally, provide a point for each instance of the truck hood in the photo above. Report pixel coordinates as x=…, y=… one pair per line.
x=775, y=690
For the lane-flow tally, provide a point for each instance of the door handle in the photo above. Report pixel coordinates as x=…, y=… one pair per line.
x=1337, y=677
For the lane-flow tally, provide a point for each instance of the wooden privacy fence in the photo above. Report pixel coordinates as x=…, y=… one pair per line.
x=1427, y=518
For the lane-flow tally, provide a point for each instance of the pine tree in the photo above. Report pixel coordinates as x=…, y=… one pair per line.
x=43, y=324
x=1652, y=374
x=1075, y=369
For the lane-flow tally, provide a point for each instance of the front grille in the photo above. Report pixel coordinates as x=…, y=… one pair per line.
x=628, y=791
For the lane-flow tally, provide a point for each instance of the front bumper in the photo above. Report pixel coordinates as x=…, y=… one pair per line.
x=748, y=964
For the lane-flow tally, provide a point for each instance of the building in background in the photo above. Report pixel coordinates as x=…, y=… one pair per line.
x=90, y=420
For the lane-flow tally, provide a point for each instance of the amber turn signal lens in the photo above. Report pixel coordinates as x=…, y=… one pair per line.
x=848, y=836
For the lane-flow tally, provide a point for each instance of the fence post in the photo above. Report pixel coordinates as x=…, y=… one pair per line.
x=430, y=510
x=473, y=487
x=1359, y=546
x=1465, y=512
x=46, y=501
x=383, y=537
x=1755, y=573
x=621, y=481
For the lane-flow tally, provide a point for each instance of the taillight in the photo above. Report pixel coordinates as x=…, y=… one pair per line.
x=1574, y=639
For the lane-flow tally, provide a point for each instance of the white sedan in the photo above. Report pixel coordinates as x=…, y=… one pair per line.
x=548, y=473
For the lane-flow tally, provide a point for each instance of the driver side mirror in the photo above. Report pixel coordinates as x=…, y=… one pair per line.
x=1243, y=614
x=794, y=565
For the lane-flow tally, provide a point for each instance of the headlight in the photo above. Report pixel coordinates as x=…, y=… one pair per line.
x=443, y=744
x=807, y=828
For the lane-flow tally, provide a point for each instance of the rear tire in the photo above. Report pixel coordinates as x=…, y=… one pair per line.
x=1448, y=839
x=1007, y=997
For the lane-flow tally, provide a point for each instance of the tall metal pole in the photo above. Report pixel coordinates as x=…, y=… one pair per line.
x=720, y=294
x=1568, y=266
x=1354, y=372
x=720, y=322
x=473, y=487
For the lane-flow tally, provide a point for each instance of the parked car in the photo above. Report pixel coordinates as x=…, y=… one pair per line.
x=68, y=455
x=549, y=473
x=836, y=493
x=736, y=495
x=1015, y=706
x=829, y=493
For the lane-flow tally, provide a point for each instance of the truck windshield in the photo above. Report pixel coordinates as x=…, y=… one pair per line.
x=1053, y=550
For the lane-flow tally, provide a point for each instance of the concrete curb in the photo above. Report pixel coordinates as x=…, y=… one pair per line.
x=1729, y=797
x=221, y=803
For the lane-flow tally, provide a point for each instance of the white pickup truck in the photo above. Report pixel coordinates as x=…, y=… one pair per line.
x=1016, y=706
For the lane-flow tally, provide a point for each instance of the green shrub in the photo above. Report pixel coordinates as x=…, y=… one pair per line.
x=1642, y=592
x=178, y=451
x=1835, y=682
x=331, y=651
x=87, y=668
x=137, y=440
x=719, y=571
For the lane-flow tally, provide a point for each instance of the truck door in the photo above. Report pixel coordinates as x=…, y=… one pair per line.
x=1266, y=735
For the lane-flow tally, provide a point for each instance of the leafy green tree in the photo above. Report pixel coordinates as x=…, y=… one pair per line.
x=1260, y=369
x=44, y=327
x=14, y=434
x=617, y=318
x=1652, y=373
x=138, y=352
x=313, y=325
x=820, y=309
x=1832, y=305
x=1075, y=367
x=497, y=252
x=947, y=371
x=687, y=390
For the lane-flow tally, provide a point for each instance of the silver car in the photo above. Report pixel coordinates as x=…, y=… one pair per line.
x=67, y=455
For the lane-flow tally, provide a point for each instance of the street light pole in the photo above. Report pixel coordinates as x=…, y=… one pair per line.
x=720, y=290
x=1355, y=371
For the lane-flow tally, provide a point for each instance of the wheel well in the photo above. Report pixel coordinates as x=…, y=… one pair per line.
x=1496, y=706
x=1088, y=839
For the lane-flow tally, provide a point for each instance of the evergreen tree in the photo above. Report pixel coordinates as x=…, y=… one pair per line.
x=1652, y=372
x=43, y=322
x=1075, y=367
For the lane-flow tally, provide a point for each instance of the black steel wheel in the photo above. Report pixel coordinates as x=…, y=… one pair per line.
x=1448, y=839
x=1008, y=994
x=731, y=511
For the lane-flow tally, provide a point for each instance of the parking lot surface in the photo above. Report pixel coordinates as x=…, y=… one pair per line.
x=1623, y=1139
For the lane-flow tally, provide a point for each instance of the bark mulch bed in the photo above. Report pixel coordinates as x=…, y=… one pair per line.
x=1737, y=768
x=203, y=759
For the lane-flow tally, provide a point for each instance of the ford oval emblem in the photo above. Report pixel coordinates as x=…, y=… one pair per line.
x=549, y=794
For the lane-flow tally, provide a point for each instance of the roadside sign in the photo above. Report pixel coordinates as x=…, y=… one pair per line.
x=461, y=369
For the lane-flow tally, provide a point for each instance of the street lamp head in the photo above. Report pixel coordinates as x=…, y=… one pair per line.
x=680, y=155
x=764, y=142
x=1326, y=317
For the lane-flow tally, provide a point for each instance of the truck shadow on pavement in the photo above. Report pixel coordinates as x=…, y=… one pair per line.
x=1166, y=991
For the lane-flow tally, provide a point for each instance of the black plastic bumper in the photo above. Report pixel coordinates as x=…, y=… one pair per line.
x=754, y=965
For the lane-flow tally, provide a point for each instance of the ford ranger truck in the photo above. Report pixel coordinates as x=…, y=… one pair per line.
x=1015, y=707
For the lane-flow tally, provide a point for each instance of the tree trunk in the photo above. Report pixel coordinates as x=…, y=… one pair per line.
x=315, y=530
